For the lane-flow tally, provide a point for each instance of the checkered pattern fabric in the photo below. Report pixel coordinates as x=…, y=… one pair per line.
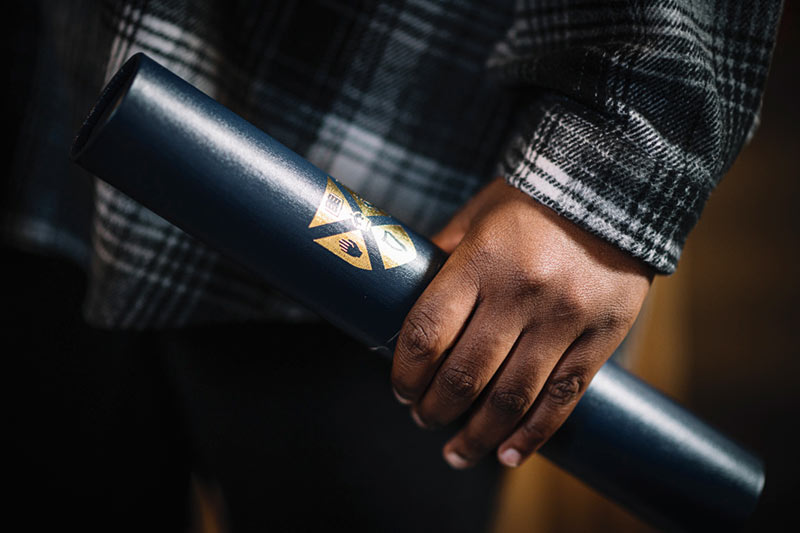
x=621, y=116
x=642, y=108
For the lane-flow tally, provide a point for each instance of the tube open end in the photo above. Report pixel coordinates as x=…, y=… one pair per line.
x=112, y=96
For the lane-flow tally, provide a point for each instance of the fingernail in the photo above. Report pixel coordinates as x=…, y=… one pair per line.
x=418, y=420
x=456, y=461
x=404, y=401
x=510, y=457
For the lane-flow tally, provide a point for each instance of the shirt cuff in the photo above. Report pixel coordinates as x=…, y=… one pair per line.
x=580, y=164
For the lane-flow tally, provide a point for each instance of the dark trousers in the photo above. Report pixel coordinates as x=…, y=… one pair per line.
x=294, y=424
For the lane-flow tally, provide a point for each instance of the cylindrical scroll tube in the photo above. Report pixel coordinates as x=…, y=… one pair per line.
x=213, y=174
x=219, y=178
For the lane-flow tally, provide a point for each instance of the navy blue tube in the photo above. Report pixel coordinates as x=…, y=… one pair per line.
x=205, y=169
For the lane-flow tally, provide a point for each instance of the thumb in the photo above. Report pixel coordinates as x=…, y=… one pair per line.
x=451, y=235
x=448, y=237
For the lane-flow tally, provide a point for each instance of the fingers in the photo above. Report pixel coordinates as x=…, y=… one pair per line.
x=470, y=365
x=507, y=398
x=431, y=327
x=515, y=265
x=564, y=387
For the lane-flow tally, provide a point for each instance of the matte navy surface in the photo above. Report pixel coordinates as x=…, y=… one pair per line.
x=216, y=176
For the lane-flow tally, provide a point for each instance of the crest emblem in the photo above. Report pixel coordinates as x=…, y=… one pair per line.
x=360, y=233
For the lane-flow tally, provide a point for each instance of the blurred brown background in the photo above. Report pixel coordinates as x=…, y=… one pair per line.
x=723, y=333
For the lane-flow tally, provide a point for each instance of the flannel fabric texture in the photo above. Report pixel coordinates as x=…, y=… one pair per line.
x=620, y=115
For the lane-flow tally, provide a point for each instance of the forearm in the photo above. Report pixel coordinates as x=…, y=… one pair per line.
x=636, y=112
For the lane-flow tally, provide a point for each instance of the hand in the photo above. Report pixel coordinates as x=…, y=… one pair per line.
x=350, y=247
x=514, y=326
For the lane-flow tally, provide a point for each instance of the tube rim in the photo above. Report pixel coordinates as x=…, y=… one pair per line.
x=106, y=106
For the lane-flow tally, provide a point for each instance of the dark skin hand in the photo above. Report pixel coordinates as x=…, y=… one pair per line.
x=512, y=329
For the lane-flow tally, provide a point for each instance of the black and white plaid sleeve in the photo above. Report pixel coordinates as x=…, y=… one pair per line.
x=632, y=112
x=637, y=109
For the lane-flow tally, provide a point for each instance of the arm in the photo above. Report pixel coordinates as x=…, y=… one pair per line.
x=635, y=113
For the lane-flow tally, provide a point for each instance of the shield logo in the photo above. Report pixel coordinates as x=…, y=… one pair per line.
x=358, y=232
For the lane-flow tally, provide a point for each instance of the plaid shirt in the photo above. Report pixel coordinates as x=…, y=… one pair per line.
x=619, y=115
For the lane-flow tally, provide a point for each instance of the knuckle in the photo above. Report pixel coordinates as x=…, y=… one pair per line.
x=486, y=254
x=509, y=402
x=471, y=274
x=564, y=390
x=539, y=269
x=574, y=301
x=479, y=260
x=420, y=337
x=577, y=301
x=526, y=283
x=459, y=382
x=618, y=316
x=614, y=321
